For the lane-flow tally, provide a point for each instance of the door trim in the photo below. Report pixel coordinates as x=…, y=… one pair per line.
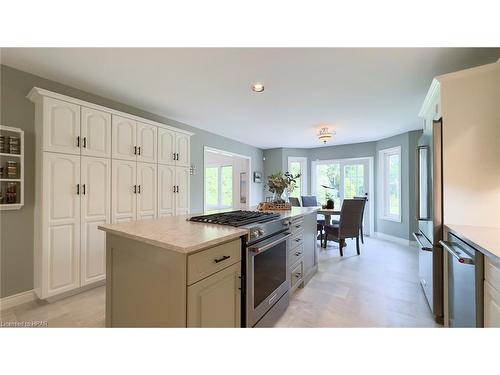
x=371, y=183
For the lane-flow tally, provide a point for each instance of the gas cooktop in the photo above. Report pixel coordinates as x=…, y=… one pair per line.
x=236, y=218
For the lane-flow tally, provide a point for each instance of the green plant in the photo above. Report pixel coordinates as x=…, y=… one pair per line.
x=279, y=181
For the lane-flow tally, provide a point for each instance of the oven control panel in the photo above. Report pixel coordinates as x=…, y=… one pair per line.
x=257, y=232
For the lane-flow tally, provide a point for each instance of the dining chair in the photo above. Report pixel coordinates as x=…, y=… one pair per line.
x=311, y=201
x=294, y=201
x=364, y=199
x=348, y=226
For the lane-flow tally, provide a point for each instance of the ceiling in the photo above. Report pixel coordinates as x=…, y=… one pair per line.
x=363, y=94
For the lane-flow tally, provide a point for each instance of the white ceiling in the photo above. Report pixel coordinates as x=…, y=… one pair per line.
x=363, y=94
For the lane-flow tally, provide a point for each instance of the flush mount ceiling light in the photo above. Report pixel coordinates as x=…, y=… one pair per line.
x=324, y=135
x=258, y=87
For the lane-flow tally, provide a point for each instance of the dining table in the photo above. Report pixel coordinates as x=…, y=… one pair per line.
x=328, y=213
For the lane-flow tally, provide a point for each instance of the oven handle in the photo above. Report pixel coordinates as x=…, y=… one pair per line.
x=261, y=249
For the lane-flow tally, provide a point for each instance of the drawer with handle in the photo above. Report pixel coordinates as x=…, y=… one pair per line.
x=297, y=239
x=296, y=275
x=210, y=261
x=297, y=224
x=296, y=254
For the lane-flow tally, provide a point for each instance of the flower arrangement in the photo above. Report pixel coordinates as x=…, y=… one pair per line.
x=278, y=182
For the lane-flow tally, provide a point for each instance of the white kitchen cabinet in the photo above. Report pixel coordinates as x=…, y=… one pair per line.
x=61, y=224
x=61, y=126
x=215, y=301
x=124, y=145
x=96, y=165
x=166, y=187
x=182, y=193
x=491, y=306
x=182, y=150
x=146, y=143
x=166, y=146
x=95, y=211
x=124, y=189
x=95, y=137
x=146, y=191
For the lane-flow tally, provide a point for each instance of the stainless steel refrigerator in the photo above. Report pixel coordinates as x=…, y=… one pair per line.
x=430, y=216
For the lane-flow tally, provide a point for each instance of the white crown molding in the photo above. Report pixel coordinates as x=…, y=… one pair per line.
x=17, y=299
x=430, y=97
x=36, y=93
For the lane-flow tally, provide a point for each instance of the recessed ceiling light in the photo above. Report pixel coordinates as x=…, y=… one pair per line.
x=258, y=87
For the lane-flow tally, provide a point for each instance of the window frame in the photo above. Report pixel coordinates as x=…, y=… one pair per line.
x=219, y=205
x=303, y=167
x=383, y=190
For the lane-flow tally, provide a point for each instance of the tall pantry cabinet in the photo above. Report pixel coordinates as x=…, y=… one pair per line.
x=95, y=165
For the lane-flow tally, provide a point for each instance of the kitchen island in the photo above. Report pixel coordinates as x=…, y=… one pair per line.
x=171, y=272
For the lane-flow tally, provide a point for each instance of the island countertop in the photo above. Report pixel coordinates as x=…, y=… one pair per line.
x=176, y=233
x=485, y=239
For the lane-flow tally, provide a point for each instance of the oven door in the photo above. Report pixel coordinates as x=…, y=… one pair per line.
x=267, y=275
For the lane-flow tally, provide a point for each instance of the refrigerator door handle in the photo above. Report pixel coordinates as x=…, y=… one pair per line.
x=422, y=247
x=461, y=256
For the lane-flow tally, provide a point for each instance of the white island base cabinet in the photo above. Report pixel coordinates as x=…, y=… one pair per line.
x=148, y=286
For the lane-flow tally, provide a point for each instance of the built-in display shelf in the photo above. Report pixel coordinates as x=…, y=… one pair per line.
x=11, y=189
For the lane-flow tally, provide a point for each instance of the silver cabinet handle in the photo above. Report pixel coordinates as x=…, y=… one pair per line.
x=461, y=256
x=422, y=247
x=261, y=249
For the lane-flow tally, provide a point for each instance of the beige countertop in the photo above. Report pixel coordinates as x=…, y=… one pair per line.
x=177, y=234
x=486, y=239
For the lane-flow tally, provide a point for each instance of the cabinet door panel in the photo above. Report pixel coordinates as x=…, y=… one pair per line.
x=147, y=185
x=491, y=306
x=96, y=210
x=147, y=143
x=182, y=149
x=166, y=146
x=61, y=226
x=123, y=180
x=166, y=182
x=124, y=138
x=182, y=196
x=96, y=133
x=215, y=301
x=61, y=126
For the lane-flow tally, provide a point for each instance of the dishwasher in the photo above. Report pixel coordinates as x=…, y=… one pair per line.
x=465, y=283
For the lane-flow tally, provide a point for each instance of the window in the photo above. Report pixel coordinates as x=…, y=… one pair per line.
x=390, y=184
x=298, y=165
x=219, y=187
x=328, y=174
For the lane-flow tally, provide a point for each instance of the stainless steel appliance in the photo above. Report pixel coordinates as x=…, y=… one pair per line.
x=266, y=262
x=430, y=216
x=465, y=283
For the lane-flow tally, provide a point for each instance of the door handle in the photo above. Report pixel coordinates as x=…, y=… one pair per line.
x=177, y=156
x=139, y=150
x=135, y=150
x=84, y=142
x=174, y=155
x=78, y=141
x=174, y=188
x=78, y=189
x=422, y=247
x=83, y=187
x=177, y=189
x=139, y=189
x=135, y=189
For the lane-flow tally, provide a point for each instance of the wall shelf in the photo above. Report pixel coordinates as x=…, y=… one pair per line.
x=8, y=131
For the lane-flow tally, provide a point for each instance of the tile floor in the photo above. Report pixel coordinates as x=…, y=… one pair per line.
x=377, y=289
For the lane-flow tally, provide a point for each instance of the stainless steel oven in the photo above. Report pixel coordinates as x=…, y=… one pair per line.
x=267, y=279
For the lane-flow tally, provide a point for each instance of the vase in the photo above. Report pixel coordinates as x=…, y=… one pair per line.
x=278, y=196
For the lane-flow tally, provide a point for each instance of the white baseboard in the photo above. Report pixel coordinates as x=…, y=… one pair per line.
x=17, y=299
x=395, y=239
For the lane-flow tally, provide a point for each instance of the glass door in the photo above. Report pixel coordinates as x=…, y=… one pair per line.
x=342, y=179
